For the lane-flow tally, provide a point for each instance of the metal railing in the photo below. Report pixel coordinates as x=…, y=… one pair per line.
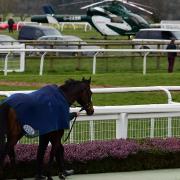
x=96, y=51
x=132, y=121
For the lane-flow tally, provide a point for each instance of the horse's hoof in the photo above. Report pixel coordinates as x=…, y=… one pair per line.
x=49, y=178
x=62, y=176
x=40, y=177
x=68, y=172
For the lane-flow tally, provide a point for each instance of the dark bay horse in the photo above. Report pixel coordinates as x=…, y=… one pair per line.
x=11, y=128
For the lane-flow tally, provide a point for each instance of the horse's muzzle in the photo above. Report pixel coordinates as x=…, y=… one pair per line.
x=90, y=111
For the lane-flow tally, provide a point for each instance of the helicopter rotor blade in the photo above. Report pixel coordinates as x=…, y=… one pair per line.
x=90, y=5
x=140, y=8
x=145, y=6
x=122, y=1
x=80, y=2
x=141, y=5
x=135, y=6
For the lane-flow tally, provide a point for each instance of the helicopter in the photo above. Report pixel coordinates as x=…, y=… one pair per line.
x=112, y=18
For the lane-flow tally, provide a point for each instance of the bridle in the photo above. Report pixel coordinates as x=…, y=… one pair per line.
x=87, y=106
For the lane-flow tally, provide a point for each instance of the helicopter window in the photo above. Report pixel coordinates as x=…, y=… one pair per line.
x=136, y=18
x=117, y=19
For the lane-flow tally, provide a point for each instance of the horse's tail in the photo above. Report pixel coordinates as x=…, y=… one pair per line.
x=3, y=126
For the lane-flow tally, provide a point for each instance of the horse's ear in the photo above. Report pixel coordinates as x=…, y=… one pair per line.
x=87, y=80
x=90, y=80
x=83, y=79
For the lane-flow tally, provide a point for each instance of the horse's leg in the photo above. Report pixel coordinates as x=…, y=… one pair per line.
x=61, y=163
x=43, y=143
x=2, y=158
x=60, y=158
x=3, y=128
x=11, y=154
x=55, y=138
x=51, y=158
x=13, y=162
x=57, y=150
x=60, y=152
x=3, y=153
x=14, y=133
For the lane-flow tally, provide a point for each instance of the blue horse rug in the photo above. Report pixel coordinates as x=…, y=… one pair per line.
x=45, y=110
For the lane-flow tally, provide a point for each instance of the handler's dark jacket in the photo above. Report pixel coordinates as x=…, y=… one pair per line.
x=171, y=54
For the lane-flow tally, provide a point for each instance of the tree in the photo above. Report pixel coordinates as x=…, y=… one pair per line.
x=6, y=7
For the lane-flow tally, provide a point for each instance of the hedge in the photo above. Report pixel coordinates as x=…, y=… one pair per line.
x=104, y=156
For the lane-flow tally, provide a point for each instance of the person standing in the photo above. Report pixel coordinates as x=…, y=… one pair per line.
x=10, y=24
x=171, y=55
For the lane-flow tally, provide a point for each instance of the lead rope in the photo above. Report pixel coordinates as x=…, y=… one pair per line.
x=67, y=137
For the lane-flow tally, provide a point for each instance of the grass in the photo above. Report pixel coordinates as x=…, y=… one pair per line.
x=89, y=35
x=104, y=80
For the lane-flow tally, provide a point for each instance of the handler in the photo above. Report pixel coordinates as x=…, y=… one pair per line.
x=171, y=55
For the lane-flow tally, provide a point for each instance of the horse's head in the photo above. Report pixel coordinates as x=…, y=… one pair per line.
x=85, y=96
x=79, y=91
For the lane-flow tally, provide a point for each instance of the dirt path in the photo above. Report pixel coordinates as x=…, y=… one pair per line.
x=37, y=84
x=21, y=84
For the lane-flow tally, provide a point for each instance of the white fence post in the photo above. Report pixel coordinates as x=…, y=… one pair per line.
x=121, y=126
x=144, y=63
x=91, y=130
x=86, y=27
x=152, y=128
x=6, y=63
x=9, y=49
x=169, y=127
x=42, y=64
x=71, y=136
x=22, y=59
x=94, y=62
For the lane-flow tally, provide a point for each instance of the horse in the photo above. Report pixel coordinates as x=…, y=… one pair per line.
x=11, y=128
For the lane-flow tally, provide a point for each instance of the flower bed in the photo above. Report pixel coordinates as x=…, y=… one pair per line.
x=106, y=156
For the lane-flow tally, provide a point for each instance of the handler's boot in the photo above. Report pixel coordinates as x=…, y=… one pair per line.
x=62, y=175
x=68, y=172
x=49, y=178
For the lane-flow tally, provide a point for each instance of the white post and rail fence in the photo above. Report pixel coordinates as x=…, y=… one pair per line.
x=146, y=52
x=130, y=121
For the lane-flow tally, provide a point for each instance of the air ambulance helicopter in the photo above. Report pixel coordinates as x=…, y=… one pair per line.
x=108, y=17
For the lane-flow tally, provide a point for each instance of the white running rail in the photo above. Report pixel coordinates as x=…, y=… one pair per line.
x=132, y=121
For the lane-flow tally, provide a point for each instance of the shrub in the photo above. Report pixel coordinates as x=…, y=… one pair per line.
x=106, y=156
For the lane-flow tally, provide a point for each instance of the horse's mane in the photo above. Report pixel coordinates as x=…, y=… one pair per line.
x=70, y=82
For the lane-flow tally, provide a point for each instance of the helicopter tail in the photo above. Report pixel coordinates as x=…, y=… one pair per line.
x=48, y=9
